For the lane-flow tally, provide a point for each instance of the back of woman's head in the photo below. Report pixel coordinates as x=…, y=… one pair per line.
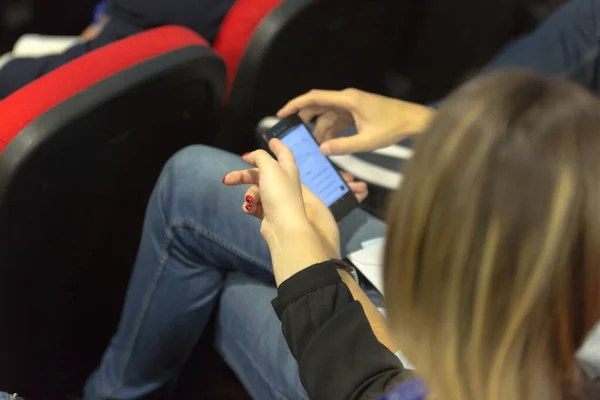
x=493, y=258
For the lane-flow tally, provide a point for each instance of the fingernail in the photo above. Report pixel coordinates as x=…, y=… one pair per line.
x=249, y=199
x=245, y=154
x=325, y=148
x=248, y=207
x=223, y=180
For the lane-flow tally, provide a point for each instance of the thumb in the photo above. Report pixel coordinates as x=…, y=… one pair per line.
x=348, y=145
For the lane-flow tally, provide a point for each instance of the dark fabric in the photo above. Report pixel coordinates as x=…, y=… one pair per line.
x=305, y=282
x=328, y=333
x=202, y=16
x=591, y=389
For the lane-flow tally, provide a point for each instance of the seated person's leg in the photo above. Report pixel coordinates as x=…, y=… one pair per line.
x=249, y=339
x=18, y=72
x=249, y=334
x=567, y=43
x=194, y=234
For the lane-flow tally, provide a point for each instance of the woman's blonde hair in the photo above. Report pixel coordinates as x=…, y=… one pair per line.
x=493, y=258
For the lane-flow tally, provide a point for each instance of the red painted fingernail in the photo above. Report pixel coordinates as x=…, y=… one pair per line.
x=245, y=154
x=248, y=207
x=223, y=180
x=249, y=199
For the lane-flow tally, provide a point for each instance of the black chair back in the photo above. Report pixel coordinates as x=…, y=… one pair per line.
x=307, y=44
x=73, y=190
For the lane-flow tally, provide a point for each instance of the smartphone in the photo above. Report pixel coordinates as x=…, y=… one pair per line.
x=316, y=172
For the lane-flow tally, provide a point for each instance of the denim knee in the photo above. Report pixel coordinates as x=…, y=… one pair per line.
x=194, y=172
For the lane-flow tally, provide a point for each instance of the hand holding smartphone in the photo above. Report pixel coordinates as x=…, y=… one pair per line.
x=316, y=172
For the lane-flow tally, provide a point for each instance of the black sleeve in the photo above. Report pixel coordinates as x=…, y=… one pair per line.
x=328, y=333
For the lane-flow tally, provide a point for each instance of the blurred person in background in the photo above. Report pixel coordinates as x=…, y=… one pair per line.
x=115, y=20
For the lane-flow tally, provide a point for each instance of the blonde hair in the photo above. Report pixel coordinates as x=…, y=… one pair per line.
x=493, y=256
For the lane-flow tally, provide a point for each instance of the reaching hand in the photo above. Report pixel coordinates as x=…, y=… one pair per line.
x=319, y=215
x=280, y=203
x=278, y=181
x=317, y=212
x=380, y=121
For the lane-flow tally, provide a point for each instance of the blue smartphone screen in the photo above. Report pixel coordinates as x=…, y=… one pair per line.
x=316, y=172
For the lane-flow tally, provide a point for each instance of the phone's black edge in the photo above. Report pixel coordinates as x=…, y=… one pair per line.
x=284, y=125
x=344, y=206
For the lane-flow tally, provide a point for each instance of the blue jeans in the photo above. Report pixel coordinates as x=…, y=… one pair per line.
x=199, y=247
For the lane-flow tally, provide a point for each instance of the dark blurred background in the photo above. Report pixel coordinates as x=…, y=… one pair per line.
x=447, y=40
x=49, y=17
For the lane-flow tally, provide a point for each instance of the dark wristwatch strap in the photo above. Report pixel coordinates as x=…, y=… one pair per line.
x=346, y=266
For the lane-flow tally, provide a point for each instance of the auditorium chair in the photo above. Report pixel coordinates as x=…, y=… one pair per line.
x=80, y=151
x=276, y=50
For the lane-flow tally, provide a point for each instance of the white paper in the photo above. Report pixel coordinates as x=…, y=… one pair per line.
x=4, y=59
x=372, y=242
x=589, y=354
x=369, y=261
x=368, y=172
x=32, y=45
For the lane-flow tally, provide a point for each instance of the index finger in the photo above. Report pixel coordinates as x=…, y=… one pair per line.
x=283, y=153
x=323, y=98
x=263, y=160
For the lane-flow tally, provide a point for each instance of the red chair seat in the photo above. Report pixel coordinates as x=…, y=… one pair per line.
x=237, y=29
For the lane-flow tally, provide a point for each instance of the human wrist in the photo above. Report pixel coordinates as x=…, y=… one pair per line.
x=291, y=228
x=422, y=116
x=293, y=249
x=348, y=273
x=418, y=115
x=330, y=242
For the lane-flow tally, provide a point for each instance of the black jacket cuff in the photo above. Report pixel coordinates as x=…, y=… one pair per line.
x=305, y=282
